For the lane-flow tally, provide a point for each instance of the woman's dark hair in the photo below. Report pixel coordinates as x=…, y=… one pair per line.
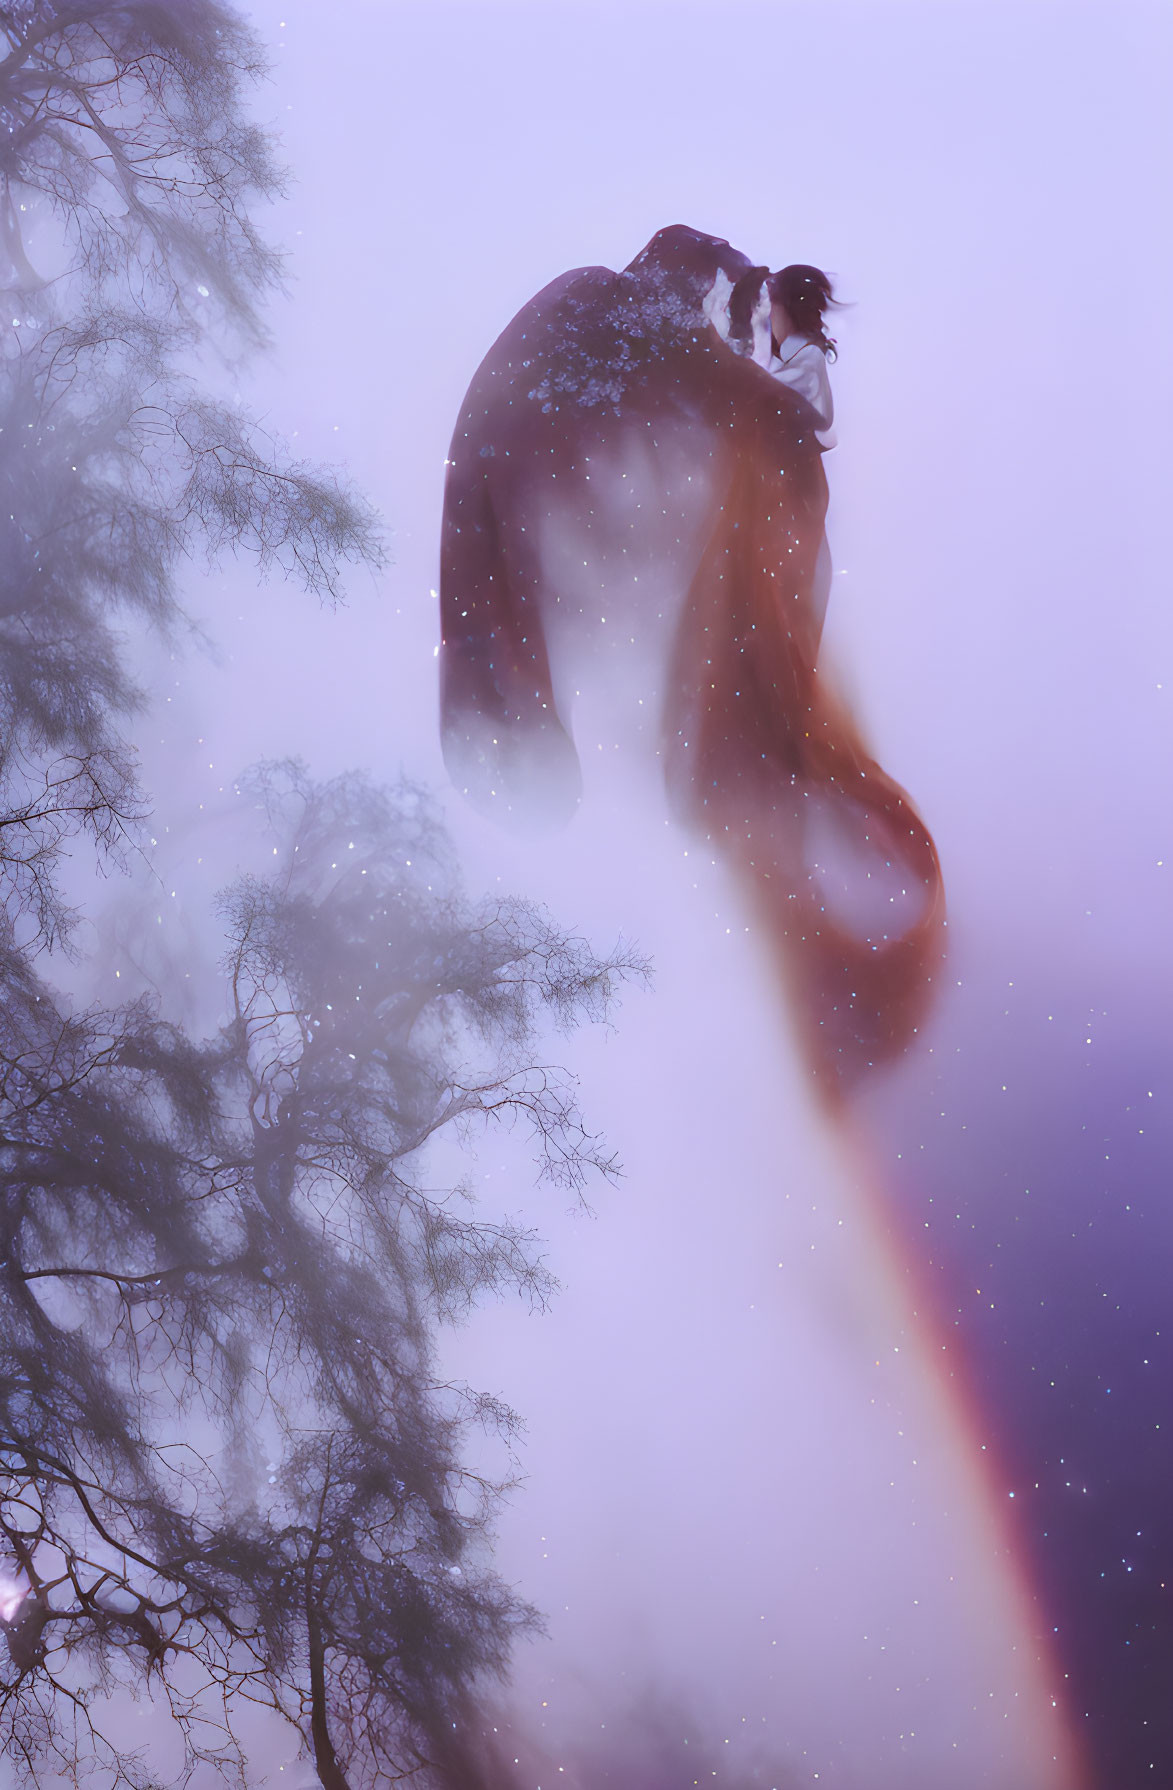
x=742, y=301
x=805, y=293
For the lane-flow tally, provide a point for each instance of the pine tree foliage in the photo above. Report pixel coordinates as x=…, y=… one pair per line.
x=238, y=1232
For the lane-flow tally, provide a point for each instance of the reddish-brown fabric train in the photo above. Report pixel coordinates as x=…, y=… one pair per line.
x=760, y=755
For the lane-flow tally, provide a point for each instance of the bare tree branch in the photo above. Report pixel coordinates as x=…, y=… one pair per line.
x=239, y=1230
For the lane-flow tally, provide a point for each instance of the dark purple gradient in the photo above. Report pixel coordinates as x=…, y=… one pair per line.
x=1032, y=1169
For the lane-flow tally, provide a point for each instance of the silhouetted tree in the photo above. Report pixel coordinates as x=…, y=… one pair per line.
x=221, y=1252
x=230, y=1473
x=128, y=254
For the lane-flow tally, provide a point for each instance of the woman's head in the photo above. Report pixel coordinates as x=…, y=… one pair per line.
x=799, y=295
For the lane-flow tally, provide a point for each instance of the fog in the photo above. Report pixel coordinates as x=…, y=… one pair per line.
x=818, y=1476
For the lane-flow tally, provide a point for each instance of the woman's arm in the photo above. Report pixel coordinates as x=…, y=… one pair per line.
x=805, y=372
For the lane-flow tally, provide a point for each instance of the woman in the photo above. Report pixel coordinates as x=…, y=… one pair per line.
x=799, y=295
x=776, y=319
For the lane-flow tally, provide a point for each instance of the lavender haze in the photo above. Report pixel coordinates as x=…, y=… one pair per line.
x=847, y=1443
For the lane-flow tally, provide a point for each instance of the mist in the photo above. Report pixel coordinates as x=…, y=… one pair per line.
x=845, y=1455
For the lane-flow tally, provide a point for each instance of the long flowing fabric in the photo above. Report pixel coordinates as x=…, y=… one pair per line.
x=603, y=371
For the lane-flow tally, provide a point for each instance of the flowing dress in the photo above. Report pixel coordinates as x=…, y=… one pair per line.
x=801, y=365
x=631, y=503
x=759, y=1504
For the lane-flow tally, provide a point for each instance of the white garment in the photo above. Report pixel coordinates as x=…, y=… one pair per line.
x=802, y=365
x=716, y=304
x=716, y=311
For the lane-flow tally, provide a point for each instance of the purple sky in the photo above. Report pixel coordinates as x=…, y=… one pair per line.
x=720, y=1491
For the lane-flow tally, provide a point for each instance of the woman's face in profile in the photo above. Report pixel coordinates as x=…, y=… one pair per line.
x=780, y=321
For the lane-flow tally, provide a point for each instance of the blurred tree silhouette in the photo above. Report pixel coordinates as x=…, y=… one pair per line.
x=128, y=251
x=231, y=1474
x=220, y=1252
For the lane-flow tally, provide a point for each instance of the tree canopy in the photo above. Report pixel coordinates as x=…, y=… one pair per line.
x=230, y=1473
x=129, y=255
x=230, y=1241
